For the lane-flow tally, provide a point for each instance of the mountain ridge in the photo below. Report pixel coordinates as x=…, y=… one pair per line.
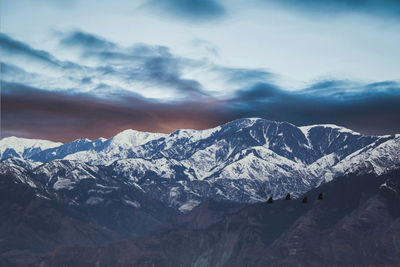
x=9, y=142
x=246, y=160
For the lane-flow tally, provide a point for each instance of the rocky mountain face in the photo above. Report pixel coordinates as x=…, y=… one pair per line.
x=357, y=223
x=245, y=161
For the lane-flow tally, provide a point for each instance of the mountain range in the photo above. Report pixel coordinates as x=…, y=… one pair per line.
x=246, y=160
x=97, y=192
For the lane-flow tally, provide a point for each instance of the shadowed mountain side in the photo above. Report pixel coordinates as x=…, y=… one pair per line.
x=31, y=225
x=357, y=223
x=36, y=219
x=115, y=212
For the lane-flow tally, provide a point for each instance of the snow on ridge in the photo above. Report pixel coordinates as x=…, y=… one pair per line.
x=237, y=171
x=188, y=206
x=19, y=145
x=82, y=139
x=254, y=119
x=135, y=138
x=306, y=129
x=194, y=134
x=128, y=143
x=19, y=141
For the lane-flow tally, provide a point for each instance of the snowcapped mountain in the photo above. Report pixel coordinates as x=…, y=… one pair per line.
x=13, y=147
x=99, y=151
x=246, y=160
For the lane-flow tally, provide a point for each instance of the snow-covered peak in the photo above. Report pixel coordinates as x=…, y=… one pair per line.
x=283, y=138
x=193, y=135
x=20, y=147
x=132, y=138
x=307, y=129
x=246, y=160
x=246, y=122
x=21, y=143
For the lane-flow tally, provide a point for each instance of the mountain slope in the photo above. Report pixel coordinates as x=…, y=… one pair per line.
x=32, y=224
x=356, y=224
x=111, y=201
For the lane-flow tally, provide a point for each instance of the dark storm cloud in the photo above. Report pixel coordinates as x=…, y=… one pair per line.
x=371, y=109
x=259, y=92
x=190, y=10
x=35, y=113
x=333, y=7
x=31, y=112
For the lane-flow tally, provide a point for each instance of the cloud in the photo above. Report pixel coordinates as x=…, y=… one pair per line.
x=110, y=94
x=35, y=113
x=86, y=41
x=371, y=108
x=58, y=3
x=124, y=68
x=207, y=46
x=372, y=7
x=192, y=10
x=11, y=47
x=243, y=76
x=154, y=65
x=149, y=69
x=30, y=60
x=11, y=72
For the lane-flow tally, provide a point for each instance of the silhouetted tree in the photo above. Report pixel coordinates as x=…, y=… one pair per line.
x=288, y=196
x=305, y=200
x=269, y=200
x=320, y=196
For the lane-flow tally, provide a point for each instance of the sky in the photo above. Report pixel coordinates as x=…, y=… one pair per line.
x=89, y=69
